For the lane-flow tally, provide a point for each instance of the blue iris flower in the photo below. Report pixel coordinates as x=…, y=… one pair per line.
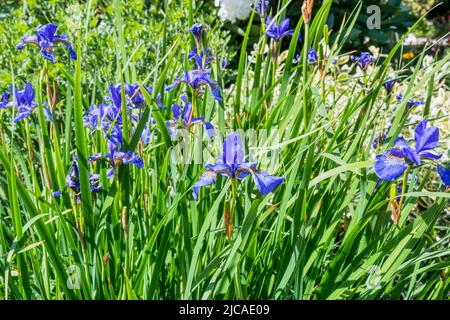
x=187, y=121
x=5, y=98
x=364, y=59
x=197, y=30
x=392, y=164
x=45, y=39
x=410, y=103
x=278, y=32
x=297, y=58
x=133, y=96
x=312, y=56
x=377, y=143
x=261, y=8
x=203, y=59
x=444, y=173
x=24, y=103
x=117, y=159
x=232, y=165
x=389, y=84
x=57, y=193
x=197, y=80
x=73, y=179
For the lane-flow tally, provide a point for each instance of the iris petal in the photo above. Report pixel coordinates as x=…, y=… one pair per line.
x=390, y=165
x=426, y=138
x=232, y=150
x=266, y=182
x=444, y=173
x=206, y=179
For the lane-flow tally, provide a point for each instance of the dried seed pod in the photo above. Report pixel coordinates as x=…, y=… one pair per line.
x=307, y=8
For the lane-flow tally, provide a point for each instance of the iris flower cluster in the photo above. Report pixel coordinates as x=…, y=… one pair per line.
x=45, y=39
x=278, y=32
x=392, y=163
x=109, y=119
x=231, y=164
x=200, y=76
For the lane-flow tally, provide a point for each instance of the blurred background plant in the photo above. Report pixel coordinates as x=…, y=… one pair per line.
x=146, y=22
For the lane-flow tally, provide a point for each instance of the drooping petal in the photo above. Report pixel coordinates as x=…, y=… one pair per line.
x=266, y=182
x=426, y=138
x=215, y=92
x=219, y=167
x=444, y=173
x=206, y=179
x=172, y=126
x=390, y=165
x=22, y=113
x=26, y=41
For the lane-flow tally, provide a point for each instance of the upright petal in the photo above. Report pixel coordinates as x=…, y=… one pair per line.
x=46, y=33
x=115, y=95
x=233, y=153
x=426, y=138
x=176, y=112
x=187, y=116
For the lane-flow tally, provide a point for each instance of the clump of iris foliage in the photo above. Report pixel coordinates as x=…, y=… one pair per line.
x=96, y=202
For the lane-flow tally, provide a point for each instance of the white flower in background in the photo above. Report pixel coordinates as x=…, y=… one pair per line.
x=233, y=10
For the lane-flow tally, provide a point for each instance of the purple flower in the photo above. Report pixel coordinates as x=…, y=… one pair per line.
x=312, y=56
x=197, y=80
x=73, y=179
x=197, y=30
x=186, y=119
x=391, y=164
x=56, y=194
x=411, y=103
x=364, y=59
x=389, y=84
x=377, y=143
x=444, y=173
x=5, y=98
x=278, y=32
x=44, y=39
x=232, y=165
x=261, y=8
x=296, y=59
